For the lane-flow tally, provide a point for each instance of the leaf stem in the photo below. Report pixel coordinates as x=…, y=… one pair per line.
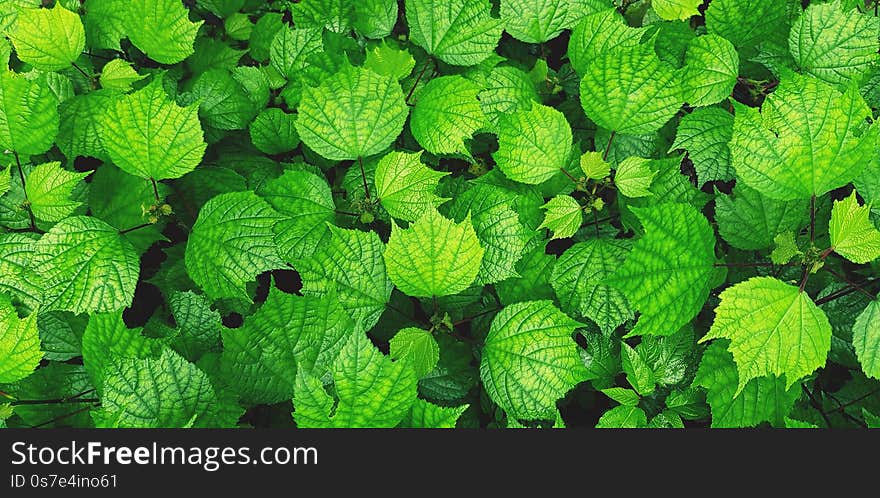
x=804, y=278
x=843, y=292
x=91, y=79
x=346, y=213
x=61, y=417
x=428, y=62
x=364, y=179
x=132, y=229
x=468, y=319
x=27, y=201
x=156, y=191
x=608, y=146
x=569, y=175
x=818, y=406
x=851, y=283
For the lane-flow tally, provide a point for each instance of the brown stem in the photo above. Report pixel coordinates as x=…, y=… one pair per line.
x=569, y=175
x=608, y=146
x=61, y=417
x=818, y=406
x=428, y=63
x=804, y=279
x=156, y=191
x=851, y=283
x=132, y=229
x=842, y=293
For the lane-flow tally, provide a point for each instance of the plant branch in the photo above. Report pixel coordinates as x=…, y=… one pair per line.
x=569, y=175
x=843, y=292
x=815, y=404
x=61, y=417
x=482, y=313
x=156, y=191
x=804, y=279
x=132, y=229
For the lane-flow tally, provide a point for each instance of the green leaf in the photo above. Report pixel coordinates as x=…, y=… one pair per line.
x=808, y=140
x=371, y=390
x=853, y=235
x=434, y=257
x=866, y=339
x=375, y=18
x=80, y=133
x=158, y=392
x=389, y=60
x=638, y=373
x=458, y=32
x=623, y=417
x=107, y=339
x=630, y=90
x=306, y=203
x=734, y=404
x=669, y=272
x=354, y=113
x=160, y=28
x=147, y=134
x=291, y=48
x=704, y=134
x=530, y=359
x=231, y=243
x=834, y=45
x=774, y=329
x=224, y=103
x=634, y=176
x=536, y=21
x=417, y=347
x=123, y=201
x=672, y=10
x=288, y=335
x=749, y=23
x=28, y=114
x=786, y=248
x=533, y=144
x=446, y=114
x=506, y=90
x=18, y=277
x=624, y=396
x=425, y=415
x=749, y=220
x=119, y=75
x=579, y=279
x=198, y=326
x=351, y=261
x=48, y=39
x=594, y=166
x=712, y=66
x=84, y=265
x=597, y=34
x=564, y=216
x=49, y=188
x=20, y=350
x=406, y=187
x=273, y=131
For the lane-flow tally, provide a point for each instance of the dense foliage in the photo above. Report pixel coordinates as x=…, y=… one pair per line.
x=426, y=213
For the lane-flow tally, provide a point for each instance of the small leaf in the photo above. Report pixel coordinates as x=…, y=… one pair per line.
x=447, y=113
x=49, y=188
x=564, y=216
x=623, y=417
x=634, y=177
x=416, y=347
x=624, y=396
x=853, y=236
x=160, y=28
x=594, y=166
x=712, y=66
x=48, y=39
x=458, y=32
x=20, y=350
x=533, y=144
x=638, y=373
x=786, y=248
x=406, y=187
x=119, y=75
x=672, y=10
x=866, y=339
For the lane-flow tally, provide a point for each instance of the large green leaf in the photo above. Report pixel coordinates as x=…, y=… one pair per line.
x=446, y=114
x=711, y=72
x=672, y=10
x=704, y=134
x=19, y=343
x=533, y=144
x=355, y=113
x=774, y=329
x=537, y=21
x=458, y=32
x=749, y=220
x=579, y=279
x=834, y=45
x=28, y=114
x=434, y=257
x=49, y=188
x=287, y=335
x=85, y=265
x=148, y=135
x=598, y=33
x=48, y=39
x=160, y=28
x=807, y=140
x=231, y=243
x=866, y=339
x=161, y=392
x=530, y=359
x=370, y=390
x=351, y=262
x=668, y=274
x=630, y=90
